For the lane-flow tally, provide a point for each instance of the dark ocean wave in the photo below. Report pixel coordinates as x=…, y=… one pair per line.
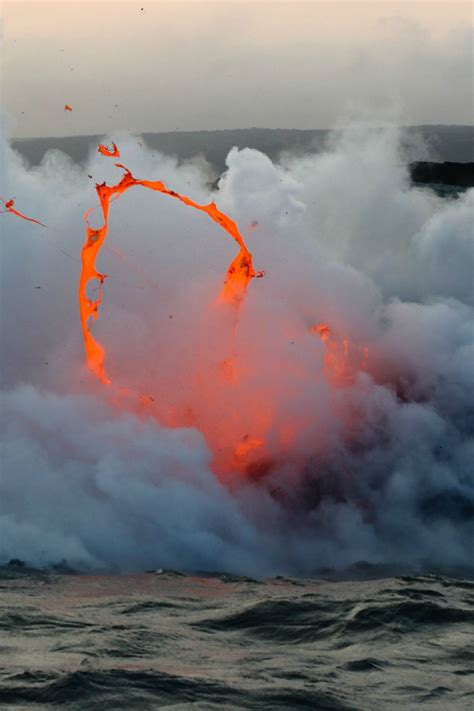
x=283, y=621
x=123, y=689
x=151, y=641
x=289, y=621
x=33, y=623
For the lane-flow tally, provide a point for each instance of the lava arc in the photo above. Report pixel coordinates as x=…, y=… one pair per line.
x=239, y=273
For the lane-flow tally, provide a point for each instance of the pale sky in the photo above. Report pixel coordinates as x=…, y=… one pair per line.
x=212, y=65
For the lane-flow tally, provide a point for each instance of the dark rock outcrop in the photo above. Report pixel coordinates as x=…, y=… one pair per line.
x=448, y=173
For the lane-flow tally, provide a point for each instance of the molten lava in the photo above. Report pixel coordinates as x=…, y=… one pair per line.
x=9, y=208
x=343, y=359
x=241, y=410
x=109, y=152
x=241, y=422
x=239, y=273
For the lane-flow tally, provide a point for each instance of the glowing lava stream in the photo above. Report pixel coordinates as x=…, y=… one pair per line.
x=9, y=208
x=238, y=439
x=239, y=273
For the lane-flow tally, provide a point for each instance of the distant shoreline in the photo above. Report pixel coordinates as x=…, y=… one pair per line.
x=422, y=126
x=420, y=143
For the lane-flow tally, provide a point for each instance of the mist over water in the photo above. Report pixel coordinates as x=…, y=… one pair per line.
x=377, y=469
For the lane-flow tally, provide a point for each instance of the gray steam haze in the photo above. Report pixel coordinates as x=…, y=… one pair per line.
x=381, y=469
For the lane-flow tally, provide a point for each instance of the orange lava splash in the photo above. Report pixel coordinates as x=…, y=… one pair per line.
x=239, y=273
x=9, y=208
x=343, y=358
x=249, y=456
x=323, y=331
x=245, y=423
x=109, y=152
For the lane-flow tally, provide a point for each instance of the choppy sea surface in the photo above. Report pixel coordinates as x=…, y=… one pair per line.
x=163, y=639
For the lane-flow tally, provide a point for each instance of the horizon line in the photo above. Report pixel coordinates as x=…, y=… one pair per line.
x=229, y=130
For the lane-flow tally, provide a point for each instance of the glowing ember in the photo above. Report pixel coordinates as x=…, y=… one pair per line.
x=323, y=331
x=9, y=208
x=239, y=273
x=247, y=447
x=343, y=358
x=109, y=152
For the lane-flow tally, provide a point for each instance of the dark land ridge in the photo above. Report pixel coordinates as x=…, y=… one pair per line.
x=437, y=154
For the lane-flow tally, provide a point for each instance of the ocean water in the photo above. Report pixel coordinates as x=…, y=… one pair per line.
x=163, y=639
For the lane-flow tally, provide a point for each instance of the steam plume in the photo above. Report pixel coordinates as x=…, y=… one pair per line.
x=375, y=467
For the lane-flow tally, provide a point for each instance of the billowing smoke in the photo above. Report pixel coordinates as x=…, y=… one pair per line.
x=279, y=466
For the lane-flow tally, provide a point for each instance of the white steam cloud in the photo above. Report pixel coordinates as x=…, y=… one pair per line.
x=380, y=470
